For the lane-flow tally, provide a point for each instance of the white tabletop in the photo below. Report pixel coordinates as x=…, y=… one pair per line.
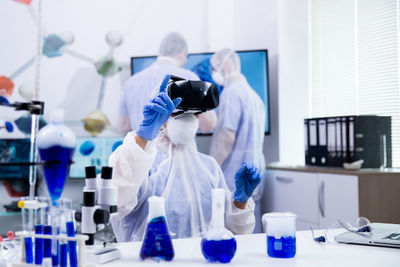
x=252, y=251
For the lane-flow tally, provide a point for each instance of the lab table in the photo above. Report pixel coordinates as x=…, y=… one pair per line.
x=252, y=251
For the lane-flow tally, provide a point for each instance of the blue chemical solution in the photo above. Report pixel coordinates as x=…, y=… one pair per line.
x=157, y=243
x=73, y=258
x=218, y=250
x=28, y=250
x=63, y=255
x=56, y=173
x=285, y=247
x=87, y=148
x=47, y=242
x=38, y=245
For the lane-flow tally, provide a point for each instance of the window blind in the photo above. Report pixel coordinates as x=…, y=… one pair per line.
x=355, y=61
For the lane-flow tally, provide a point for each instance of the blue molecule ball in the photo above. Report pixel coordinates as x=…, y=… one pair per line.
x=116, y=145
x=87, y=148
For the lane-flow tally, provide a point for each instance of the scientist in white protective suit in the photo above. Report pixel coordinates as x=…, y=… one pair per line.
x=239, y=135
x=138, y=89
x=182, y=175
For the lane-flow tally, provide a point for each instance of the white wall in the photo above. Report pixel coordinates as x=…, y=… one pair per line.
x=293, y=78
x=207, y=25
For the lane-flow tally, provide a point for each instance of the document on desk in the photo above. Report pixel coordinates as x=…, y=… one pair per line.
x=313, y=132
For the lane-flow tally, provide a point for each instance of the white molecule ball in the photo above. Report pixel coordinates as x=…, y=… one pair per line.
x=26, y=90
x=67, y=37
x=114, y=38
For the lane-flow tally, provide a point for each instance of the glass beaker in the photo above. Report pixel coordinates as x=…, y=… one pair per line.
x=281, y=234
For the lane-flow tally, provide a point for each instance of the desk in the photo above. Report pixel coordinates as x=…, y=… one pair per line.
x=252, y=252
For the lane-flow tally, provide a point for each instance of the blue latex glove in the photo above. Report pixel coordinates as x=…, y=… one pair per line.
x=247, y=179
x=157, y=112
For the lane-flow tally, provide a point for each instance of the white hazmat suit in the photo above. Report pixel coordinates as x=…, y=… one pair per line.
x=184, y=177
x=239, y=134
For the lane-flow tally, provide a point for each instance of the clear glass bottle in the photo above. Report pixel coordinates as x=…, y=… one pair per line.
x=218, y=244
x=157, y=244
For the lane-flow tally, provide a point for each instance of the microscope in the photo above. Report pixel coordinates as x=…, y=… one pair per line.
x=99, y=204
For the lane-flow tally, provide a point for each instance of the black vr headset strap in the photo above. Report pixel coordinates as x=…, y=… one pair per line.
x=175, y=78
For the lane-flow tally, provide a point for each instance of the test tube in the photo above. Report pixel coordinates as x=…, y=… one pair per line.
x=63, y=255
x=55, y=245
x=40, y=215
x=70, y=230
x=27, y=226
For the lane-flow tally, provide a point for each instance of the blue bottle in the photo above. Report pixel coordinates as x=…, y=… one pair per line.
x=56, y=144
x=218, y=244
x=157, y=244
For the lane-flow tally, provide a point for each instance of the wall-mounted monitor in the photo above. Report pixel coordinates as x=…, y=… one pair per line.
x=254, y=66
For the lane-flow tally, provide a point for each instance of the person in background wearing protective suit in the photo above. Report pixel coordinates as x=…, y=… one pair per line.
x=185, y=177
x=239, y=135
x=138, y=89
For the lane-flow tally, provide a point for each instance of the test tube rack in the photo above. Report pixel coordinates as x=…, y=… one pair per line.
x=80, y=239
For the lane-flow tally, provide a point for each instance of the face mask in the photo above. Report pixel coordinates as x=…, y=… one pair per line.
x=182, y=128
x=217, y=78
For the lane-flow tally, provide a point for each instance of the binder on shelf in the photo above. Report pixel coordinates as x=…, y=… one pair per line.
x=332, y=141
x=313, y=141
x=351, y=138
x=339, y=155
x=322, y=149
x=344, y=139
x=331, y=136
x=306, y=143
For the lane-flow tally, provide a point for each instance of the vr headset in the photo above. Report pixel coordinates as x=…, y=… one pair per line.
x=197, y=96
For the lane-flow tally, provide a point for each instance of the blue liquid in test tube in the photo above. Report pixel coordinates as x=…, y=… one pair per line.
x=28, y=250
x=47, y=242
x=63, y=255
x=38, y=245
x=73, y=259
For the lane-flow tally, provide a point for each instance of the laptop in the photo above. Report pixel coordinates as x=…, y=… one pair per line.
x=383, y=235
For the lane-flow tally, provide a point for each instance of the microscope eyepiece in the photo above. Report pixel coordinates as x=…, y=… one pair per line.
x=88, y=198
x=106, y=173
x=90, y=172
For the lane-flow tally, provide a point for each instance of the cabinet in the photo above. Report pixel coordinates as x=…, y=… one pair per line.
x=318, y=199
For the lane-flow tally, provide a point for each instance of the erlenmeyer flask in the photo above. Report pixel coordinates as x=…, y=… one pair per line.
x=157, y=243
x=218, y=244
x=56, y=143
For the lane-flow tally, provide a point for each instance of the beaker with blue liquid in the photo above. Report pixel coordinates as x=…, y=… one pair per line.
x=157, y=244
x=281, y=234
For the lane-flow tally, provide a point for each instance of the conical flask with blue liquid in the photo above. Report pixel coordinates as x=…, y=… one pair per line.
x=218, y=244
x=157, y=244
x=56, y=144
